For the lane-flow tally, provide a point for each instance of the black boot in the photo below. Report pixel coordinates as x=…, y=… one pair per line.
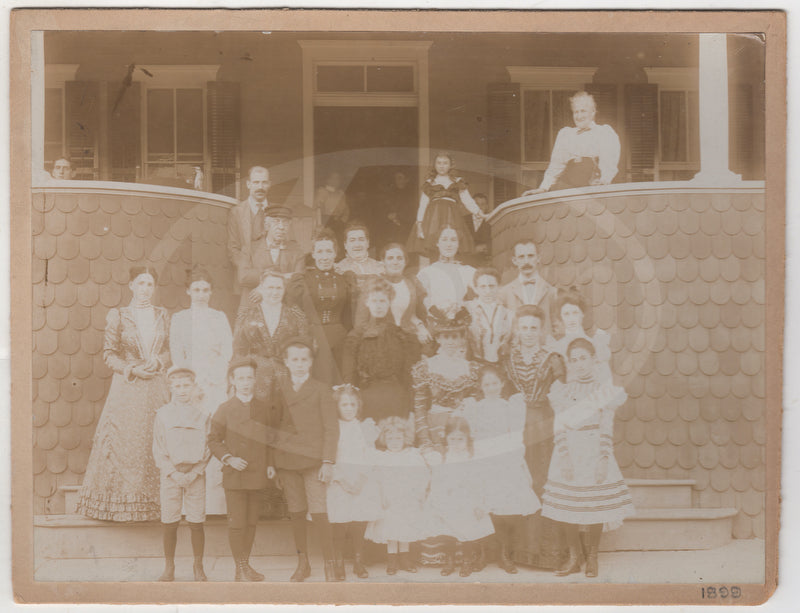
x=199, y=572
x=504, y=560
x=573, y=563
x=467, y=555
x=241, y=572
x=359, y=570
x=406, y=563
x=593, y=544
x=449, y=561
x=169, y=571
x=250, y=573
x=339, y=564
x=391, y=564
x=330, y=571
x=303, y=570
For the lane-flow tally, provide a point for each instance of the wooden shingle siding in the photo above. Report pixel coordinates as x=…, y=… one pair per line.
x=678, y=281
x=83, y=248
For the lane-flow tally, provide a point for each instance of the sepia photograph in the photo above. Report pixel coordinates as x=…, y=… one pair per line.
x=326, y=305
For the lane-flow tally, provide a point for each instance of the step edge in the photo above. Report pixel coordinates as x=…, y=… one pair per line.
x=659, y=482
x=682, y=514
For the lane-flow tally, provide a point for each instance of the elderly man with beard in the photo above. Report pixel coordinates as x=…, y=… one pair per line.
x=528, y=287
x=246, y=222
x=273, y=250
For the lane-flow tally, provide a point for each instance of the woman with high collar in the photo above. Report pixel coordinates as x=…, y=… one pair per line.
x=328, y=299
x=532, y=369
x=447, y=281
x=587, y=154
x=121, y=482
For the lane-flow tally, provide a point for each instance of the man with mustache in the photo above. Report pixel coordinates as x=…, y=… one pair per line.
x=246, y=222
x=528, y=287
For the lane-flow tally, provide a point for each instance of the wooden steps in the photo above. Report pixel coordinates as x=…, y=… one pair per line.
x=665, y=520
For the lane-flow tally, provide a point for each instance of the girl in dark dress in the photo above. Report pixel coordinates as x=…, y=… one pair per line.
x=328, y=299
x=444, y=200
x=532, y=369
x=378, y=355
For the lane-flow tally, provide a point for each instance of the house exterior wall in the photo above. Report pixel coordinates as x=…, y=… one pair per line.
x=676, y=276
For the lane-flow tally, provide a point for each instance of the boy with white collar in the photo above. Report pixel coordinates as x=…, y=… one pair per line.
x=181, y=454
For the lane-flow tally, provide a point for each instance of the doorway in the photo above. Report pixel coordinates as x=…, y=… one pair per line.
x=375, y=152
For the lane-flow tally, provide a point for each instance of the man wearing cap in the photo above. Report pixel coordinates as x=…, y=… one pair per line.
x=304, y=450
x=181, y=454
x=273, y=250
x=238, y=441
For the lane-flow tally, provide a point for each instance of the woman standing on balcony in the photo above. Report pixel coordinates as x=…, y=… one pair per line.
x=121, y=481
x=533, y=369
x=200, y=338
x=587, y=154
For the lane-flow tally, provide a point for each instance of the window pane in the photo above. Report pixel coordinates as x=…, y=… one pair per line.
x=340, y=78
x=390, y=79
x=673, y=127
x=53, y=124
x=160, y=125
x=536, y=109
x=562, y=110
x=189, y=104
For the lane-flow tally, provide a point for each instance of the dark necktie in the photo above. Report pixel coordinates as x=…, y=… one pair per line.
x=258, y=225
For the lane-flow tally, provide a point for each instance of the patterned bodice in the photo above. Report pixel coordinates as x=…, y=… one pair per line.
x=534, y=379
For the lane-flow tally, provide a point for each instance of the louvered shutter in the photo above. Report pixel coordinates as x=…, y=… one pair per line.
x=741, y=141
x=605, y=99
x=124, y=126
x=641, y=129
x=82, y=108
x=503, y=139
x=224, y=137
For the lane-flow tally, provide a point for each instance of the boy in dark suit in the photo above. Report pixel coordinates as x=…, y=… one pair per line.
x=304, y=452
x=237, y=440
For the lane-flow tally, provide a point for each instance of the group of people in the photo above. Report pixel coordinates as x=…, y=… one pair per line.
x=433, y=407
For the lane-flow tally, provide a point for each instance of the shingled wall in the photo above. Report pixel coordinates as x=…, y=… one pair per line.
x=83, y=247
x=676, y=275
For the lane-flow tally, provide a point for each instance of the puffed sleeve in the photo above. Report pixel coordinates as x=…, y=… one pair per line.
x=163, y=354
x=349, y=351
x=558, y=159
x=179, y=340
x=224, y=337
x=112, y=345
x=614, y=398
x=609, y=154
x=422, y=402
x=330, y=426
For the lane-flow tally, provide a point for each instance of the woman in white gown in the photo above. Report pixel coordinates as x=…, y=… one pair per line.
x=201, y=338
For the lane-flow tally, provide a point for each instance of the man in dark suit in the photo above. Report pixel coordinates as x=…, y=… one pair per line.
x=304, y=450
x=528, y=287
x=274, y=250
x=237, y=438
x=246, y=221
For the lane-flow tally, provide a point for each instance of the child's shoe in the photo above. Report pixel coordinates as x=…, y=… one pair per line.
x=359, y=570
x=391, y=564
x=406, y=563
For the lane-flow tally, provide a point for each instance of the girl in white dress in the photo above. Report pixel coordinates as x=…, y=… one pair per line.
x=497, y=426
x=457, y=503
x=200, y=338
x=353, y=496
x=569, y=324
x=447, y=281
x=585, y=489
x=403, y=479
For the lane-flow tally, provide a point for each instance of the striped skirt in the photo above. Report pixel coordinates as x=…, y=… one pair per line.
x=581, y=498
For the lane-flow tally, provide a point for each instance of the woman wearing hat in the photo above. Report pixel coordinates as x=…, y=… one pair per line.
x=441, y=383
x=121, y=482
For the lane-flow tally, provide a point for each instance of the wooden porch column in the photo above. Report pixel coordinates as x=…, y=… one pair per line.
x=714, y=126
x=37, y=106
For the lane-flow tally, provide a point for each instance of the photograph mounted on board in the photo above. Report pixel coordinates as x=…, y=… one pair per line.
x=459, y=298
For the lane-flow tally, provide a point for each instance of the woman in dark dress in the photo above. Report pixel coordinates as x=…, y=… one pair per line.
x=532, y=369
x=328, y=299
x=378, y=355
